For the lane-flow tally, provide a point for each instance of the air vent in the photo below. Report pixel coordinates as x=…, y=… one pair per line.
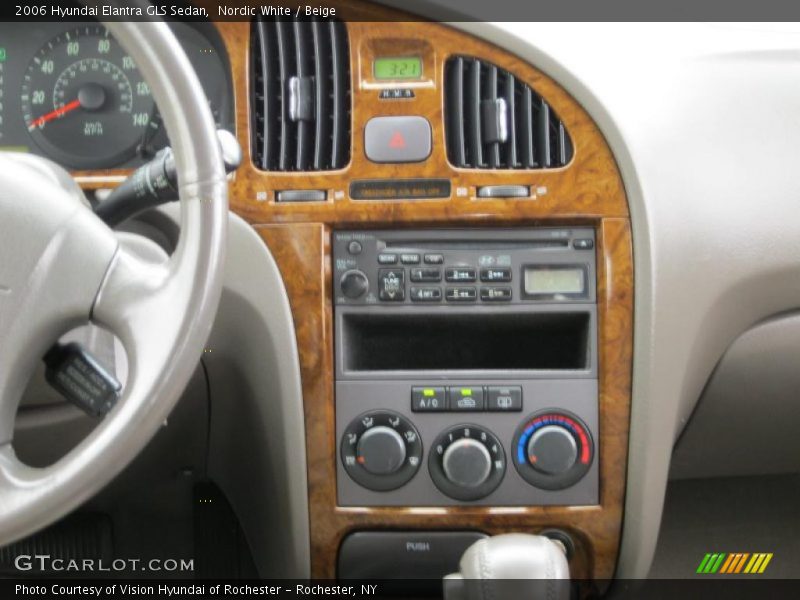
x=494, y=121
x=301, y=95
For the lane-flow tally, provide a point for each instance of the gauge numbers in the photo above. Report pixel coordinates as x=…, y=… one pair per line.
x=84, y=102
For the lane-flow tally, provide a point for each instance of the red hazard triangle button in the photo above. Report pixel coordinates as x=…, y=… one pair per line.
x=397, y=141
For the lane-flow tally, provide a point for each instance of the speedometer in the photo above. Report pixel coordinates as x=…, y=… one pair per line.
x=84, y=102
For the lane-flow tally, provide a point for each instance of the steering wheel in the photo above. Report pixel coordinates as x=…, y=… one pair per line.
x=61, y=266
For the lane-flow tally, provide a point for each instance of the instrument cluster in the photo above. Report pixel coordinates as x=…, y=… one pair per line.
x=70, y=92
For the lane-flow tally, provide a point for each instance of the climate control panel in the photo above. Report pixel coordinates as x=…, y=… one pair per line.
x=531, y=454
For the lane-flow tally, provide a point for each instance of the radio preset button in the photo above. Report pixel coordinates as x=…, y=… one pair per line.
x=426, y=294
x=461, y=294
x=387, y=259
x=428, y=399
x=496, y=294
x=466, y=398
x=426, y=274
x=503, y=398
x=460, y=274
x=391, y=285
x=434, y=259
x=491, y=274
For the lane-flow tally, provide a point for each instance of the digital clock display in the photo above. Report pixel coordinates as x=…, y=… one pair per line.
x=406, y=67
x=554, y=281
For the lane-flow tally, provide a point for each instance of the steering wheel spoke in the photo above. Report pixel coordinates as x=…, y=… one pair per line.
x=55, y=258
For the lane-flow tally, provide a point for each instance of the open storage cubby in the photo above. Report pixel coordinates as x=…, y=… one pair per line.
x=413, y=341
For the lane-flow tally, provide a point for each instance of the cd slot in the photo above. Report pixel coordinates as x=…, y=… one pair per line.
x=473, y=245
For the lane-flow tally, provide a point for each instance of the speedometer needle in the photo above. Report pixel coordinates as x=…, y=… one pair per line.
x=54, y=114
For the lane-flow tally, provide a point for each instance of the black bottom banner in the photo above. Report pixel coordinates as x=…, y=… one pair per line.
x=685, y=589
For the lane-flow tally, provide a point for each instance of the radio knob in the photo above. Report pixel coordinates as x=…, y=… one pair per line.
x=552, y=450
x=467, y=463
x=381, y=450
x=354, y=284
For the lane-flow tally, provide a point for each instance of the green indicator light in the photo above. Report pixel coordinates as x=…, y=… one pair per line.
x=466, y=391
x=428, y=393
x=2, y=54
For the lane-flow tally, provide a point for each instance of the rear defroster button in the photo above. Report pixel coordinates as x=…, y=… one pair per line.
x=503, y=398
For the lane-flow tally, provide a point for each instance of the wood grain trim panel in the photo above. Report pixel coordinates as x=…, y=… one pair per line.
x=589, y=187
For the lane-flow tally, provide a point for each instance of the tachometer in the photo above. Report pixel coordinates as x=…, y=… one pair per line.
x=84, y=102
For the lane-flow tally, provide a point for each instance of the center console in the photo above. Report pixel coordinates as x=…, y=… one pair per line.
x=466, y=367
x=458, y=262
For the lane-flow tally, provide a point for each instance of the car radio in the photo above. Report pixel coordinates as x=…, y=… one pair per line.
x=466, y=367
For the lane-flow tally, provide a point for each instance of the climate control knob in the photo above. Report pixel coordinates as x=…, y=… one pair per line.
x=354, y=284
x=467, y=462
x=553, y=450
x=381, y=450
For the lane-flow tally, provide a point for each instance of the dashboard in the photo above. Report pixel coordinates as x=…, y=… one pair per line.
x=69, y=92
x=381, y=245
x=454, y=239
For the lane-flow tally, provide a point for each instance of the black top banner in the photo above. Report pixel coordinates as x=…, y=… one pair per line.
x=402, y=10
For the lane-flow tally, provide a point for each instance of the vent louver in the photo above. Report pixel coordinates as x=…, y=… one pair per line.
x=300, y=95
x=494, y=121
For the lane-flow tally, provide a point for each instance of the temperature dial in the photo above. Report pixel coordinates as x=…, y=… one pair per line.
x=553, y=450
x=467, y=462
x=381, y=450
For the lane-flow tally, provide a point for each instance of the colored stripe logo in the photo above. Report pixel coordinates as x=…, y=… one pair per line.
x=734, y=563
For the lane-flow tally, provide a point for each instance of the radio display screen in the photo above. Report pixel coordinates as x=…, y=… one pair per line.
x=554, y=280
x=406, y=67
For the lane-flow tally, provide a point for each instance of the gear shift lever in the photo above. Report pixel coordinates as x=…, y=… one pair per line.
x=514, y=565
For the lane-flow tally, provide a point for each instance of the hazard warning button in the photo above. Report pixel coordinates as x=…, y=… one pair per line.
x=397, y=139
